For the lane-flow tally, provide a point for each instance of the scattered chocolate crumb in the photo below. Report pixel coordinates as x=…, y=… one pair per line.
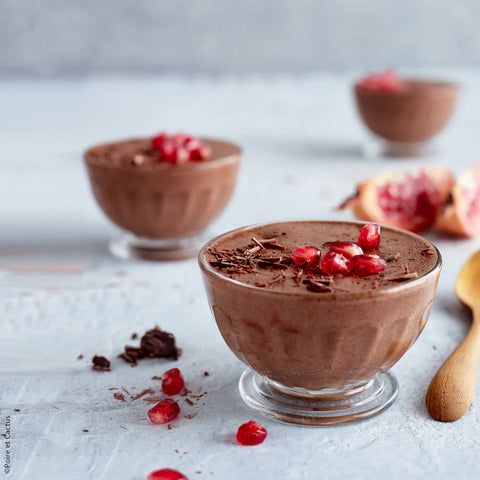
x=121, y=426
x=100, y=364
x=85, y=430
x=156, y=377
x=119, y=396
x=125, y=390
x=155, y=343
x=177, y=451
x=169, y=426
x=198, y=471
x=206, y=374
x=434, y=347
x=113, y=388
x=142, y=393
x=16, y=409
x=189, y=401
x=134, y=336
x=54, y=406
x=80, y=357
x=192, y=415
x=154, y=399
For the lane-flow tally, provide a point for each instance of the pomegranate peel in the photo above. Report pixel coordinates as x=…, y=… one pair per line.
x=461, y=214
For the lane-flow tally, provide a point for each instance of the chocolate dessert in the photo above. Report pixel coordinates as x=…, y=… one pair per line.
x=163, y=192
x=307, y=332
x=405, y=110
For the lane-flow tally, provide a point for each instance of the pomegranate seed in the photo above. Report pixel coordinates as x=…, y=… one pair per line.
x=333, y=263
x=251, y=433
x=369, y=236
x=158, y=141
x=347, y=249
x=364, y=265
x=168, y=152
x=164, y=411
x=172, y=382
x=166, y=474
x=306, y=257
x=183, y=155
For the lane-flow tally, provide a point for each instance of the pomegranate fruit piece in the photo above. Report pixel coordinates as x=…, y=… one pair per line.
x=164, y=411
x=251, y=433
x=158, y=141
x=334, y=263
x=388, y=81
x=306, y=257
x=369, y=236
x=166, y=474
x=347, y=249
x=364, y=265
x=402, y=199
x=461, y=215
x=172, y=382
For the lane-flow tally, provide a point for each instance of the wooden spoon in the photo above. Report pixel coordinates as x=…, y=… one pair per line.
x=451, y=391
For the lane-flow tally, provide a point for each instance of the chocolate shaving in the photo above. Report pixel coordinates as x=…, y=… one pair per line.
x=403, y=278
x=317, y=286
x=154, y=344
x=192, y=415
x=100, y=364
x=206, y=374
x=427, y=252
x=405, y=267
x=80, y=357
x=189, y=401
x=258, y=242
x=142, y=393
x=156, y=377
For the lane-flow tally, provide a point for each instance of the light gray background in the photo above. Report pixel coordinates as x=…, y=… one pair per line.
x=69, y=37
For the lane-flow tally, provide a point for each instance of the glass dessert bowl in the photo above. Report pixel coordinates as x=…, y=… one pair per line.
x=405, y=113
x=318, y=346
x=162, y=193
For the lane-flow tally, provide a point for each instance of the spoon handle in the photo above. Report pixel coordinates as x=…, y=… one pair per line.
x=451, y=390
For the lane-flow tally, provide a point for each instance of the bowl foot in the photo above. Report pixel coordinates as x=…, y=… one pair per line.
x=318, y=408
x=379, y=148
x=131, y=247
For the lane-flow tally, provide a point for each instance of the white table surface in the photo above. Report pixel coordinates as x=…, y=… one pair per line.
x=303, y=143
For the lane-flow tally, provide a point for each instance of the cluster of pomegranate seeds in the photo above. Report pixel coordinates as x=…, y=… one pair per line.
x=172, y=382
x=251, y=433
x=345, y=258
x=388, y=81
x=369, y=237
x=164, y=411
x=180, y=148
x=166, y=474
x=306, y=257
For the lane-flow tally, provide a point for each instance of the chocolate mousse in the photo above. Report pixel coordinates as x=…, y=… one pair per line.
x=306, y=330
x=405, y=110
x=166, y=191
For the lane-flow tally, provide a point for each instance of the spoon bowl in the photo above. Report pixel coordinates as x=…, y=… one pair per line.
x=451, y=391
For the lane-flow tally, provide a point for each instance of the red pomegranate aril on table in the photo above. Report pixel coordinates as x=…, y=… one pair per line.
x=306, y=256
x=347, y=249
x=166, y=474
x=334, y=263
x=363, y=265
x=172, y=382
x=251, y=433
x=369, y=236
x=165, y=411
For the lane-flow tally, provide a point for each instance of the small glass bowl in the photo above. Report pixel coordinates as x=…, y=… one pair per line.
x=318, y=359
x=164, y=209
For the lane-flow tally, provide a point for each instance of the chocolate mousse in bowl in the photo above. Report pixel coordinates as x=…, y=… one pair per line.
x=162, y=191
x=405, y=113
x=319, y=311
